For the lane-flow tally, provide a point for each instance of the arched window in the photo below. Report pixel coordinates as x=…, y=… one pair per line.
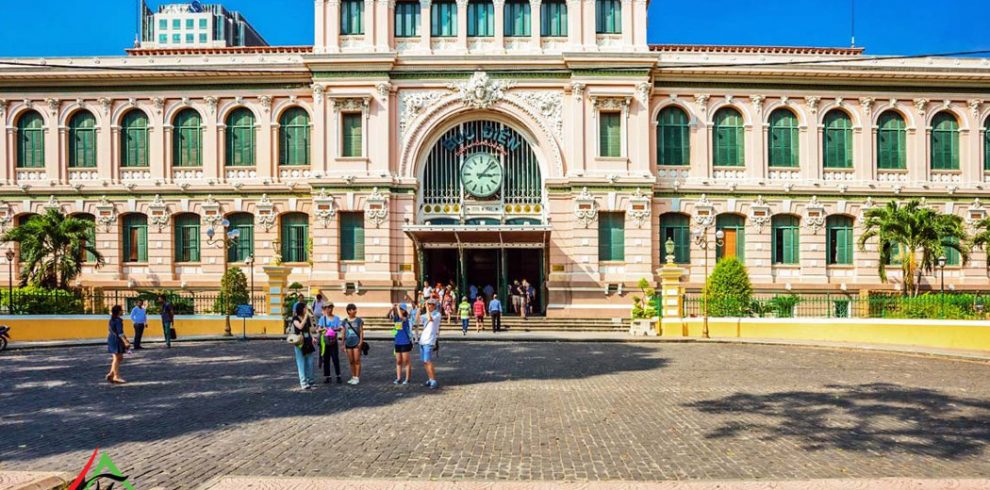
x=839, y=240
x=351, y=17
x=837, y=141
x=240, y=138
x=734, y=243
x=293, y=137
x=134, y=139
x=553, y=18
x=784, y=146
x=673, y=137
x=786, y=239
x=134, y=231
x=82, y=140
x=443, y=18
x=244, y=248
x=891, y=141
x=986, y=144
x=294, y=237
x=480, y=18
x=31, y=140
x=676, y=227
x=945, y=142
x=90, y=236
x=608, y=16
x=187, y=139
x=407, y=19
x=517, y=18
x=187, y=237
x=729, y=146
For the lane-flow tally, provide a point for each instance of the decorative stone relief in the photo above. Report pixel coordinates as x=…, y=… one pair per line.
x=318, y=91
x=867, y=104
x=266, y=103
x=643, y=90
x=323, y=204
x=53, y=105
x=265, y=212
x=211, y=103
x=606, y=103
x=702, y=100
x=640, y=208
x=975, y=213
x=106, y=214
x=814, y=215
x=376, y=207
x=577, y=90
x=384, y=89
x=920, y=105
x=547, y=104
x=351, y=104
x=158, y=103
x=586, y=207
x=159, y=213
x=105, y=103
x=412, y=104
x=3, y=107
x=212, y=214
x=812, y=102
x=704, y=212
x=974, y=106
x=757, y=102
x=6, y=216
x=759, y=213
x=52, y=204
x=481, y=91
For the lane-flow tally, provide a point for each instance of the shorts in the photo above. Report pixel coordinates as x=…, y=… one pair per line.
x=480, y=318
x=403, y=348
x=426, y=353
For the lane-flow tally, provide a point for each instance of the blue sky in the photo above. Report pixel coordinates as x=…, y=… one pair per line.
x=74, y=28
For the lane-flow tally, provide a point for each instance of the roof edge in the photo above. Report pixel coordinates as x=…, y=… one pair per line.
x=729, y=48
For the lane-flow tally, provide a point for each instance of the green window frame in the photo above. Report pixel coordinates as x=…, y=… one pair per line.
x=608, y=17
x=407, y=19
x=610, y=134
x=351, y=17
x=176, y=38
x=784, y=141
x=176, y=24
x=88, y=256
x=293, y=137
x=611, y=236
x=186, y=235
x=162, y=24
x=480, y=18
x=31, y=140
x=351, y=134
x=837, y=140
x=673, y=137
x=202, y=23
x=952, y=256
x=190, y=24
x=240, y=138
x=134, y=238
x=244, y=247
x=295, y=237
x=945, y=142
x=839, y=240
x=443, y=18
x=729, y=141
x=134, y=139
x=352, y=236
x=517, y=18
x=82, y=140
x=187, y=139
x=894, y=255
x=163, y=39
x=891, y=142
x=738, y=224
x=676, y=227
x=553, y=18
x=785, y=239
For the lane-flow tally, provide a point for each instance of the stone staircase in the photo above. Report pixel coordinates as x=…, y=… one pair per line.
x=532, y=324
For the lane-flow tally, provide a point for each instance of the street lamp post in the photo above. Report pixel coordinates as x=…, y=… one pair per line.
x=941, y=265
x=250, y=263
x=701, y=240
x=10, y=281
x=228, y=241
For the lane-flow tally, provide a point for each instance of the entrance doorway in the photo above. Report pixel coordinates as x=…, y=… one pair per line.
x=482, y=267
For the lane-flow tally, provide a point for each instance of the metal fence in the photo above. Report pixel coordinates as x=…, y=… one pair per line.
x=99, y=302
x=948, y=306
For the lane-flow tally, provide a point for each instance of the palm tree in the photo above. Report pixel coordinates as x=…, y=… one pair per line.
x=981, y=236
x=919, y=234
x=53, y=248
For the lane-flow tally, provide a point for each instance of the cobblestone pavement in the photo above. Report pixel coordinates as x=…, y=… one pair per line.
x=505, y=411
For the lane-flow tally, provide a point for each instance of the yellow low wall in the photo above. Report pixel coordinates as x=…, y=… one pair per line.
x=947, y=334
x=44, y=327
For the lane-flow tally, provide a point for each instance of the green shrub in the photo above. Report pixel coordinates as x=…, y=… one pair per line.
x=645, y=309
x=36, y=300
x=783, y=305
x=234, y=284
x=182, y=305
x=729, y=291
x=926, y=306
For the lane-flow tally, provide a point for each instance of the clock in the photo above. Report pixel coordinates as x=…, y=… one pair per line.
x=481, y=175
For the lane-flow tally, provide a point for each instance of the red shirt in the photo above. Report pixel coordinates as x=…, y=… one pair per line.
x=479, y=308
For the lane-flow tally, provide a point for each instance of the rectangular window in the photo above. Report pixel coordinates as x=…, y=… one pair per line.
x=190, y=24
x=352, y=17
x=190, y=38
x=162, y=39
x=135, y=239
x=162, y=24
x=608, y=17
x=350, y=128
x=611, y=236
x=840, y=245
x=352, y=236
x=443, y=19
x=609, y=134
x=187, y=240
x=678, y=231
x=517, y=19
x=202, y=38
x=785, y=244
x=480, y=19
x=295, y=238
x=176, y=38
x=407, y=19
x=202, y=24
x=176, y=24
x=553, y=18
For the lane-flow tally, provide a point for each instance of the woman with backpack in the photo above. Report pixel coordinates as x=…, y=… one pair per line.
x=403, y=346
x=353, y=342
x=302, y=324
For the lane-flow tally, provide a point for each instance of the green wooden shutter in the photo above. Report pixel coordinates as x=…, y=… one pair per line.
x=608, y=17
x=611, y=236
x=945, y=142
x=134, y=140
x=837, y=140
x=783, y=139
x=729, y=147
x=785, y=240
x=352, y=17
x=610, y=133
x=187, y=139
x=244, y=223
x=839, y=240
x=553, y=18
x=952, y=257
x=135, y=239
x=986, y=145
x=891, y=141
x=675, y=226
x=187, y=232
x=31, y=141
x=673, y=137
x=295, y=237
x=294, y=137
x=407, y=15
x=240, y=138
x=351, y=134
x=82, y=140
x=352, y=236
x=443, y=19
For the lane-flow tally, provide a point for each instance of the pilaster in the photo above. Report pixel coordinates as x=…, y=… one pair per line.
x=425, y=33
x=536, y=21
x=462, y=25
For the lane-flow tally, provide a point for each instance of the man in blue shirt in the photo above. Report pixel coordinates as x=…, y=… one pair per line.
x=495, y=310
x=139, y=315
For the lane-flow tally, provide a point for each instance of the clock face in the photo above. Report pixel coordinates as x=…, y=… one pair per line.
x=481, y=175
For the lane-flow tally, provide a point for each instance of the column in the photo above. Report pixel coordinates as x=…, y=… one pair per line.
x=499, y=25
x=462, y=25
x=627, y=24
x=383, y=25
x=222, y=152
x=425, y=31
x=320, y=160
x=54, y=158
x=211, y=143
x=164, y=170
x=333, y=26
x=590, y=30
x=369, y=24
x=320, y=36
x=574, y=36
x=111, y=169
x=277, y=278
x=640, y=43
x=263, y=149
x=536, y=23
x=671, y=298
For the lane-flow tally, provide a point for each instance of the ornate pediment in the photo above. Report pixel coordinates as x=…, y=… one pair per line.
x=376, y=207
x=586, y=207
x=481, y=91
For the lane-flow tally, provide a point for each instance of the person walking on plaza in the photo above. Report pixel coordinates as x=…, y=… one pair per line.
x=302, y=324
x=116, y=344
x=515, y=300
x=473, y=292
x=428, y=343
x=353, y=342
x=464, y=311
x=495, y=310
x=489, y=292
x=139, y=315
x=531, y=298
x=479, y=313
x=318, y=308
x=403, y=348
x=524, y=298
x=329, y=328
x=168, y=319
x=448, y=304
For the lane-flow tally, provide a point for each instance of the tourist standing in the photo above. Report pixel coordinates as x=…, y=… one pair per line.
x=464, y=311
x=353, y=342
x=479, y=313
x=514, y=299
x=139, y=316
x=489, y=292
x=318, y=308
x=329, y=328
x=302, y=324
x=168, y=318
x=448, y=304
x=403, y=348
x=531, y=299
x=524, y=298
x=472, y=292
x=116, y=344
x=428, y=343
x=495, y=310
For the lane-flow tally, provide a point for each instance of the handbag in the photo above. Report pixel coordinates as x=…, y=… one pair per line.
x=365, y=348
x=171, y=333
x=295, y=339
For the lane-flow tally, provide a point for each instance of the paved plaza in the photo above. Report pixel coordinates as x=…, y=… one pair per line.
x=506, y=411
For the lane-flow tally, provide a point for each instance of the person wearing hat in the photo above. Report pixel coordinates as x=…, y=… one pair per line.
x=428, y=343
x=329, y=329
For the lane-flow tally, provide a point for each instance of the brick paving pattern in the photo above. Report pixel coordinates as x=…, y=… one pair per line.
x=506, y=411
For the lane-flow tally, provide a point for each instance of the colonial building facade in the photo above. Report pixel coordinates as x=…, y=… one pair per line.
x=481, y=142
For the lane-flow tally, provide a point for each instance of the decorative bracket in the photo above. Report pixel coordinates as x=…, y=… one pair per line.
x=376, y=207
x=6, y=216
x=159, y=213
x=586, y=207
x=975, y=213
x=704, y=213
x=266, y=212
x=759, y=213
x=640, y=208
x=106, y=214
x=814, y=215
x=212, y=214
x=481, y=91
x=323, y=204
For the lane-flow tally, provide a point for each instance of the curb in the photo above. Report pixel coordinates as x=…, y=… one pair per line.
x=22, y=480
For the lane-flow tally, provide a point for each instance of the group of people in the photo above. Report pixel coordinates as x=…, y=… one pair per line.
x=117, y=342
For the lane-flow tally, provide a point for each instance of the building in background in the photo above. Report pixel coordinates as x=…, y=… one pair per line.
x=481, y=142
x=195, y=25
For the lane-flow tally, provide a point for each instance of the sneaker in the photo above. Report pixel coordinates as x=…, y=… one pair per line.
x=427, y=383
x=405, y=382
x=326, y=380
x=433, y=384
x=339, y=380
x=357, y=380
x=397, y=381
x=352, y=381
